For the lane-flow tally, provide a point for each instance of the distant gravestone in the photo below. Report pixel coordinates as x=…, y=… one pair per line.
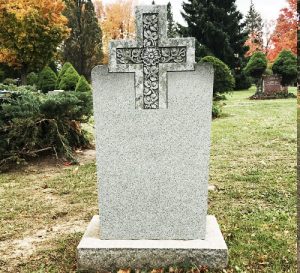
x=272, y=85
x=153, y=127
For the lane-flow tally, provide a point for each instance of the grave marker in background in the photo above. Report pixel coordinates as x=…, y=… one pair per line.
x=272, y=85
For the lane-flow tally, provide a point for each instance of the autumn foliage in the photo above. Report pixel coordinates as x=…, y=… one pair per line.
x=285, y=34
x=116, y=21
x=253, y=45
x=31, y=31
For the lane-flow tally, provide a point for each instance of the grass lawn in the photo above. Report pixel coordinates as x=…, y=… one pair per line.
x=45, y=208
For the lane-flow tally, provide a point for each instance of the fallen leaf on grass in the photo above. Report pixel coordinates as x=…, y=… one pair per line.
x=75, y=171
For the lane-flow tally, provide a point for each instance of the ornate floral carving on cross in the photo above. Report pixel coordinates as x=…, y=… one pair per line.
x=152, y=56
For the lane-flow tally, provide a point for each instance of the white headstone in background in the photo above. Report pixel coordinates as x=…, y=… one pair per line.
x=153, y=143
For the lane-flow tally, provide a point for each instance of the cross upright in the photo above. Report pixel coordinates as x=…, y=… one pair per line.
x=151, y=56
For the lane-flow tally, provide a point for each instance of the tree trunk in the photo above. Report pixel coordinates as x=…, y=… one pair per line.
x=258, y=84
x=23, y=76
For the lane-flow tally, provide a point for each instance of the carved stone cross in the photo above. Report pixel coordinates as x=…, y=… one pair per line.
x=151, y=56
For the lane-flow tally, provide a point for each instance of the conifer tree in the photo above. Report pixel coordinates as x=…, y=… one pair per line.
x=62, y=72
x=83, y=85
x=254, y=26
x=47, y=80
x=217, y=26
x=172, y=26
x=69, y=79
x=83, y=47
x=256, y=67
x=286, y=66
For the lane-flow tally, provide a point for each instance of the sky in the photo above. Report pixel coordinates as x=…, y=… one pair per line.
x=269, y=9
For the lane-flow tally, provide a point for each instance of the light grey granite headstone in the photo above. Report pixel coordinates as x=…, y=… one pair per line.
x=153, y=164
x=153, y=142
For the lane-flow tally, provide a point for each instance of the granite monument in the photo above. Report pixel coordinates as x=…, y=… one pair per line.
x=272, y=85
x=152, y=108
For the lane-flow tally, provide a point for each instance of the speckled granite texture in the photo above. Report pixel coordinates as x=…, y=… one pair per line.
x=152, y=165
x=151, y=55
x=95, y=255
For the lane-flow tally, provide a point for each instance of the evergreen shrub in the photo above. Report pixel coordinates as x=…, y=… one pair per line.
x=69, y=79
x=62, y=72
x=216, y=109
x=242, y=81
x=32, y=78
x=33, y=123
x=256, y=67
x=9, y=81
x=223, y=79
x=83, y=85
x=47, y=80
x=286, y=66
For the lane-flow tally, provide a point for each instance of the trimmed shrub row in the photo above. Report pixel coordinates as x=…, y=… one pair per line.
x=68, y=79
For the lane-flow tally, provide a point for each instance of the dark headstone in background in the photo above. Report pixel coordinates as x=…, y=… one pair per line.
x=272, y=84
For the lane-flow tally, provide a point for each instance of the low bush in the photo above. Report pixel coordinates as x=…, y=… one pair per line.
x=47, y=80
x=62, y=72
x=216, y=109
x=21, y=88
x=223, y=79
x=9, y=81
x=263, y=96
x=32, y=78
x=69, y=79
x=242, y=81
x=286, y=66
x=33, y=123
x=10, y=87
x=256, y=67
x=83, y=85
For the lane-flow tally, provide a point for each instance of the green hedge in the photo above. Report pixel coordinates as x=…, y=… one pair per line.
x=32, y=78
x=32, y=123
x=286, y=66
x=257, y=65
x=83, y=85
x=223, y=79
x=47, y=80
x=62, y=72
x=69, y=79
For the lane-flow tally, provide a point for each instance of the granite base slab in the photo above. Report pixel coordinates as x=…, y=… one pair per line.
x=96, y=255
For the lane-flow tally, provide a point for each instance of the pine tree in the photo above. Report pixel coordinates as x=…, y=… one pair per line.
x=256, y=67
x=83, y=85
x=218, y=28
x=47, y=80
x=62, y=72
x=69, y=79
x=83, y=47
x=172, y=27
x=254, y=26
x=286, y=66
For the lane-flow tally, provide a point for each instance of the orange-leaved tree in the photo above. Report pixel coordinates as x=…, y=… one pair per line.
x=31, y=31
x=116, y=21
x=285, y=33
